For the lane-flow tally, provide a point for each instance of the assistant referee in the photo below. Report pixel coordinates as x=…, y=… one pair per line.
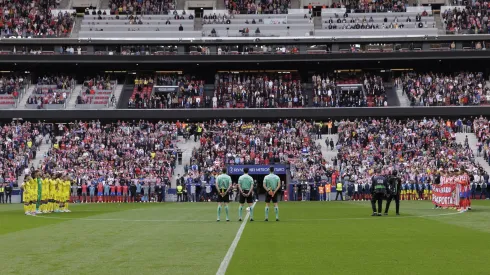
x=271, y=186
x=245, y=186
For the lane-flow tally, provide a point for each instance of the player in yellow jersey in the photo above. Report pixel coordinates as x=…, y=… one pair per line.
x=46, y=182
x=56, y=196
x=53, y=192
x=66, y=193
x=27, y=195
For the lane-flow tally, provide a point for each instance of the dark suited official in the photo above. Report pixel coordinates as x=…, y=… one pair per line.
x=379, y=188
x=394, y=187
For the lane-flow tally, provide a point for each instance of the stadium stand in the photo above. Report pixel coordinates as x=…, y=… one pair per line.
x=51, y=92
x=470, y=19
x=418, y=148
x=348, y=91
x=178, y=25
x=32, y=19
x=90, y=151
x=18, y=145
x=258, y=91
x=172, y=91
x=143, y=89
x=465, y=88
x=257, y=7
x=139, y=7
x=96, y=93
x=239, y=142
x=219, y=23
x=12, y=87
x=338, y=23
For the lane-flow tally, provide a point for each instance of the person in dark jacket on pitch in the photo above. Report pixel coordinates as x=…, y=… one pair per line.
x=394, y=188
x=379, y=187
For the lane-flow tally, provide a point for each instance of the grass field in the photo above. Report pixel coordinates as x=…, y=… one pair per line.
x=311, y=238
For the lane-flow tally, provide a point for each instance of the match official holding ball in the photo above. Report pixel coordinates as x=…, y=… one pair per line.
x=271, y=186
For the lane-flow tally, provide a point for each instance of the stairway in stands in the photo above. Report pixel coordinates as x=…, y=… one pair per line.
x=326, y=152
x=472, y=141
x=402, y=98
x=43, y=149
x=126, y=93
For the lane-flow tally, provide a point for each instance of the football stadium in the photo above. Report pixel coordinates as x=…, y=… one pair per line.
x=244, y=137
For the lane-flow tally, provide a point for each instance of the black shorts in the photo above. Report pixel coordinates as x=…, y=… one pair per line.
x=225, y=198
x=249, y=199
x=269, y=198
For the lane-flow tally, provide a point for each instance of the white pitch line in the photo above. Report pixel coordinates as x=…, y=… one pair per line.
x=289, y=220
x=226, y=260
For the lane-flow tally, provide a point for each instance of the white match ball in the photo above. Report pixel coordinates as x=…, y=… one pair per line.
x=248, y=209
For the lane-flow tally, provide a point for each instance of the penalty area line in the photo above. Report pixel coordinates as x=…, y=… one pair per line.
x=229, y=254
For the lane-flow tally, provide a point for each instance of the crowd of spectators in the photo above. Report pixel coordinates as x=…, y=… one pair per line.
x=361, y=6
x=360, y=92
x=96, y=88
x=473, y=19
x=419, y=149
x=141, y=7
x=258, y=91
x=365, y=23
x=31, y=18
x=51, y=90
x=182, y=91
x=114, y=153
x=18, y=146
x=11, y=85
x=258, y=7
x=435, y=89
x=249, y=143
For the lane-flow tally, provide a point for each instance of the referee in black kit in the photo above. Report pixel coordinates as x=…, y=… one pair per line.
x=379, y=188
x=394, y=187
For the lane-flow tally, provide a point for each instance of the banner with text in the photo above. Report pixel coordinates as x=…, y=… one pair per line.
x=445, y=195
x=279, y=169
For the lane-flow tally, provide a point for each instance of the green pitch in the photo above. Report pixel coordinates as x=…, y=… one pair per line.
x=311, y=238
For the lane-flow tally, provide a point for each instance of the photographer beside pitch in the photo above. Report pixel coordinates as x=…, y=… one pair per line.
x=271, y=186
x=394, y=187
x=379, y=188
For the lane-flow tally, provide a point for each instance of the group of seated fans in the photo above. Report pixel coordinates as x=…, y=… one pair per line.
x=473, y=19
x=430, y=89
x=114, y=154
x=143, y=7
x=258, y=91
x=248, y=143
x=51, y=90
x=327, y=91
x=420, y=149
x=373, y=6
x=11, y=85
x=258, y=7
x=183, y=92
x=369, y=23
x=26, y=18
x=18, y=142
x=96, y=88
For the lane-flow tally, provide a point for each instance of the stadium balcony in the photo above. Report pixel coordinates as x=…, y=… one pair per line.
x=258, y=7
x=97, y=93
x=348, y=91
x=259, y=91
x=147, y=7
x=171, y=92
x=437, y=89
x=220, y=24
x=12, y=88
x=149, y=26
x=51, y=92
